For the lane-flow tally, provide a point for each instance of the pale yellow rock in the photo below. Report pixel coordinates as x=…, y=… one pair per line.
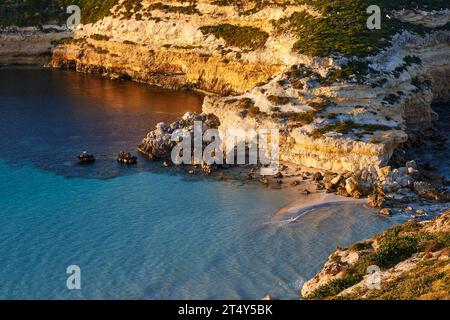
x=168, y=49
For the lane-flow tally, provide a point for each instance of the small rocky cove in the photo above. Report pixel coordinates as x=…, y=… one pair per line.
x=388, y=188
x=353, y=124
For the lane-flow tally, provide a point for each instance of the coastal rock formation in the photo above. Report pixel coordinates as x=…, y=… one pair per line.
x=386, y=186
x=349, y=124
x=410, y=261
x=159, y=143
x=170, y=45
x=340, y=105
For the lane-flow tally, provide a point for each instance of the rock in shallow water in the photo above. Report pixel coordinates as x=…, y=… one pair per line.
x=158, y=144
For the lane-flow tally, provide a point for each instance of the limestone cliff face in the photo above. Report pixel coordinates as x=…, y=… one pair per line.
x=351, y=125
x=173, y=68
x=336, y=113
x=167, y=47
x=336, y=154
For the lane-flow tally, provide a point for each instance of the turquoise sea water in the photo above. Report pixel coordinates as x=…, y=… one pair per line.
x=139, y=232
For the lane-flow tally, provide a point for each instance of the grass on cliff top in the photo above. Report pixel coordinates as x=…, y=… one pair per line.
x=429, y=280
x=247, y=6
x=343, y=27
x=247, y=38
x=190, y=9
x=395, y=245
x=40, y=12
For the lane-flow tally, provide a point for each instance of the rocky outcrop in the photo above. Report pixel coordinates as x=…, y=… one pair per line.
x=393, y=265
x=386, y=187
x=433, y=19
x=173, y=68
x=335, y=112
x=166, y=46
x=159, y=143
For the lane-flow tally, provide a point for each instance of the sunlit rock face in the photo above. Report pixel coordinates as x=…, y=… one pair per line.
x=169, y=49
x=335, y=112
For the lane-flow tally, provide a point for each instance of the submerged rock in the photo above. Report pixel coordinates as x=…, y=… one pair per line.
x=126, y=158
x=86, y=158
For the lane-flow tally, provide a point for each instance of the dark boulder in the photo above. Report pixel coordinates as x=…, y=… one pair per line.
x=126, y=158
x=86, y=158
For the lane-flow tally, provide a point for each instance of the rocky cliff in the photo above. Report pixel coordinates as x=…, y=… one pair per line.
x=176, y=45
x=411, y=261
x=344, y=97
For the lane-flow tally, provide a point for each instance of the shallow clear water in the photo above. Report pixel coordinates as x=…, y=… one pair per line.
x=141, y=232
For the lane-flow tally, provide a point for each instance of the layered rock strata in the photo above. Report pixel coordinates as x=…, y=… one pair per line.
x=335, y=112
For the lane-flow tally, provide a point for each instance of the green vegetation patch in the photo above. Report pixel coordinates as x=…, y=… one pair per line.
x=395, y=245
x=99, y=37
x=356, y=69
x=278, y=100
x=429, y=280
x=69, y=41
x=343, y=27
x=247, y=38
x=190, y=9
x=40, y=12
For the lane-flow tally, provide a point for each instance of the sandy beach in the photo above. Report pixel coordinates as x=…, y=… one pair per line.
x=307, y=203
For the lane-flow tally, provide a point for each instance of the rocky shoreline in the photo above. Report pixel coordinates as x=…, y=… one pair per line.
x=349, y=121
x=412, y=262
x=337, y=113
x=387, y=188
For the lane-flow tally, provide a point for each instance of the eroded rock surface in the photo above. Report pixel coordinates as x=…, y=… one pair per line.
x=404, y=257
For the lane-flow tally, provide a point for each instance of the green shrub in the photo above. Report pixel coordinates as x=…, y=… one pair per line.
x=68, y=41
x=190, y=9
x=231, y=101
x=99, y=37
x=246, y=103
x=359, y=246
x=302, y=117
x=129, y=42
x=37, y=13
x=342, y=29
x=332, y=116
x=247, y=38
x=332, y=288
x=392, y=99
x=276, y=109
x=410, y=60
x=319, y=106
x=278, y=100
x=394, y=245
x=253, y=111
x=354, y=68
